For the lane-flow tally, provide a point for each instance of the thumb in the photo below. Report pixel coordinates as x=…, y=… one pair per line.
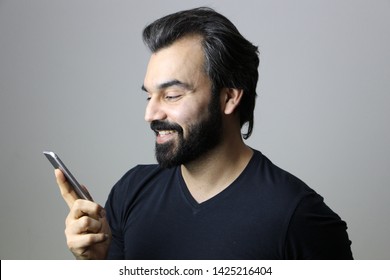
x=67, y=192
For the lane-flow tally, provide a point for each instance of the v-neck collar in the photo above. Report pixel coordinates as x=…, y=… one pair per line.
x=196, y=206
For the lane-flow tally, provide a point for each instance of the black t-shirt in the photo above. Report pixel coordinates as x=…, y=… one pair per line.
x=266, y=213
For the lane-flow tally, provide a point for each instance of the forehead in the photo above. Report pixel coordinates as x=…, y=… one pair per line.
x=182, y=61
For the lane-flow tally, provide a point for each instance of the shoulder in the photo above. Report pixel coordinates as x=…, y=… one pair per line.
x=140, y=180
x=138, y=177
x=138, y=172
x=275, y=181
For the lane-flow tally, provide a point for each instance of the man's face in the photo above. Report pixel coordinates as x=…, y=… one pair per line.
x=182, y=110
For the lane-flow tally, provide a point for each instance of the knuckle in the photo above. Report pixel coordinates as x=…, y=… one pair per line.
x=96, y=208
x=71, y=244
x=77, y=203
x=90, y=239
x=84, y=221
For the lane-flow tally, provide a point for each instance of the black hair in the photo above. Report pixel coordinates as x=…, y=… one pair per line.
x=231, y=61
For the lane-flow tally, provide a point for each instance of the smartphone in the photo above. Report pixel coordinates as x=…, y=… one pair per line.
x=58, y=164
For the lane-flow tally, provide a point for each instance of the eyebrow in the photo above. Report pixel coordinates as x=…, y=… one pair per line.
x=170, y=84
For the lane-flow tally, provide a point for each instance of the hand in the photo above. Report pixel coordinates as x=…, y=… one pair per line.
x=87, y=231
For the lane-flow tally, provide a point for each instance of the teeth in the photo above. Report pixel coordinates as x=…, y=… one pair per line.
x=165, y=132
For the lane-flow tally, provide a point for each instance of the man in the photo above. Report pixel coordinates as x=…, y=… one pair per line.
x=210, y=196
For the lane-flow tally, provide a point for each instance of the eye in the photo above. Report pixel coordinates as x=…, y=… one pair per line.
x=172, y=97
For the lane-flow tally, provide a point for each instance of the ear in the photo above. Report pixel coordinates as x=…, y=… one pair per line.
x=231, y=98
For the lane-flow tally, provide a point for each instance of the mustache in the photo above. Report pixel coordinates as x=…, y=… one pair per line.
x=165, y=125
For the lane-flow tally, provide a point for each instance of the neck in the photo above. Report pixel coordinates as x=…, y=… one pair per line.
x=216, y=170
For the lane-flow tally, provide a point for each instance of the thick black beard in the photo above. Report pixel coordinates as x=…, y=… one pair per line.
x=202, y=137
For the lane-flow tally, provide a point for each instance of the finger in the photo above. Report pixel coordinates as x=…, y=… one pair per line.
x=79, y=243
x=82, y=207
x=67, y=192
x=83, y=225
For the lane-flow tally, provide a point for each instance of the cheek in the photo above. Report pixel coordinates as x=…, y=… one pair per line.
x=189, y=114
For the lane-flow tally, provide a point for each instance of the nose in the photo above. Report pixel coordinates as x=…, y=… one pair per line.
x=154, y=110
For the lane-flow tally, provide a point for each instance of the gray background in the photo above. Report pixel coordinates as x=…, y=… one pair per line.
x=70, y=78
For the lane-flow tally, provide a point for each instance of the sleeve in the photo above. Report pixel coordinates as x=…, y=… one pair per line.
x=118, y=205
x=115, y=251
x=316, y=232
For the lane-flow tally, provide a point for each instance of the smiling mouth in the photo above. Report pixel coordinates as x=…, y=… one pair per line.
x=164, y=136
x=164, y=132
